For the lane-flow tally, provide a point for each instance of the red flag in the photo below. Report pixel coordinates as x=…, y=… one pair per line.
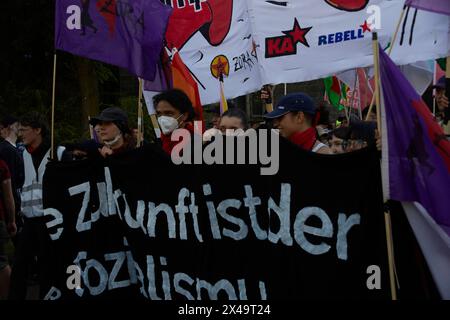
x=365, y=87
x=182, y=79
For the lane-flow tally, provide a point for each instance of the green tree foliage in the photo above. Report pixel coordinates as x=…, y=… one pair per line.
x=26, y=71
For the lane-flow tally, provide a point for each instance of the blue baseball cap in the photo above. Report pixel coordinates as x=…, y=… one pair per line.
x=293, y=102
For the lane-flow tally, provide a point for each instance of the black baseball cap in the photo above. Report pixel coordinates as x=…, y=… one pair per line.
x=111, y=114
x=293, y=102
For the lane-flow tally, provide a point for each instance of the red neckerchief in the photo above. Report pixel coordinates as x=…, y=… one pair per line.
x=168, y=144
x=30, y=149
x=305, y=139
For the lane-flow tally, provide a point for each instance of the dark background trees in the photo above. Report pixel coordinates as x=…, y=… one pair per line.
x=83, y=87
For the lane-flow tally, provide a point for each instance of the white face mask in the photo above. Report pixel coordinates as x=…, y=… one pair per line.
x=113, y=141
x=168, y=124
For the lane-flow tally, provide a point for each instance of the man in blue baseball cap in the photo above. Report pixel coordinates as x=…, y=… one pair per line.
x=295, y=117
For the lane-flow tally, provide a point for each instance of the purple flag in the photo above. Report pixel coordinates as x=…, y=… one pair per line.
x=438, y=6
x=125, y=33
x=416, y=152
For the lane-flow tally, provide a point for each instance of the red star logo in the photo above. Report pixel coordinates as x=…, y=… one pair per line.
x=219, y=67
x=366, y=27
x=298, y=34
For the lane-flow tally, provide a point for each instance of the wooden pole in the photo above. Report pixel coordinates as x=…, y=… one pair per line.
x=390, y=250
x=52, y=144
x=389, y=53
x=140, y=119
x=359, y=96
x=434, y=90
x=387, y=217
x=447, y=68
x=155, y=124
x=446, y=127
x=352, y=98
x=91, y=129
x=269, y=102
x=396, y=30
x=376, y=55
x=346, y=114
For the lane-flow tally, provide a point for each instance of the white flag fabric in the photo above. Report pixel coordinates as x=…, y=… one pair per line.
x=419, y=74
x=200, y=50
x=434, y=243
x=303, y=40
x=256, y=42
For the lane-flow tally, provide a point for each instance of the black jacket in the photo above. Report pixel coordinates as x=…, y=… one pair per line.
x=14, y=160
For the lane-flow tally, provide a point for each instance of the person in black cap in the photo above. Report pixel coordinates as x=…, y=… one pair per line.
x=295, y=116
x=112, y=127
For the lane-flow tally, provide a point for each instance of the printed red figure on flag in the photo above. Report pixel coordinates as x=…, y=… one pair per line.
x=348, y=5
x=211, y=17
x=107, y=9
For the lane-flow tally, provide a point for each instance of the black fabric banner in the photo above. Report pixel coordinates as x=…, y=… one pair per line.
x=138, y=226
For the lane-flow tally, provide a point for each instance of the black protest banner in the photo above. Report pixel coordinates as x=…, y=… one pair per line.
x=136, y=225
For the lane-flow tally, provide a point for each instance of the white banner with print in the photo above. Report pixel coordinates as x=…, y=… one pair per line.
x=214, y=37
x=301, y=40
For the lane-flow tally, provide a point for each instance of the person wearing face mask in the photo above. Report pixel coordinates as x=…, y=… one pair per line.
x=174, y=111
x=113, y=130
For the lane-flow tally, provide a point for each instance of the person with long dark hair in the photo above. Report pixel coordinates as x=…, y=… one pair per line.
x=174, y=111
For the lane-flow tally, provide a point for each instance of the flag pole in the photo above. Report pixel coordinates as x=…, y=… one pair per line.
x=155, y=124
x=387, y=216
x=389, y=53
x=434, y=90
x=446, y=127
x=346, y=114
x=140, y=122
x=376, y=66
x=352, y=98
x=269, y=102
x=52, y=146
x=91, y=128
x=390, y=251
